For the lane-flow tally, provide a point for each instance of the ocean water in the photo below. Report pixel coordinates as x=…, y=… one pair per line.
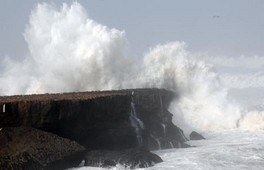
x=226, y=150
x=220, y=97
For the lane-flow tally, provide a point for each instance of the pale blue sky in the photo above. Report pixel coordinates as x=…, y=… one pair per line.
x=239, y=30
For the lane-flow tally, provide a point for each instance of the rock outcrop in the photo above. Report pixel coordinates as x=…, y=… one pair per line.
x=107, y=120
x=132, y=158
x=196, y=136
x=28, y=148
x=152, y=108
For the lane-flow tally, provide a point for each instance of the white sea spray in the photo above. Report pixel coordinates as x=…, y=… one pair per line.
x=68, y=51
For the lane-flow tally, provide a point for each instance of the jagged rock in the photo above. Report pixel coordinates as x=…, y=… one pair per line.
x=98, y=120
x=132, y=158
x=152, y=108
x=196, y=136
x=28, y=148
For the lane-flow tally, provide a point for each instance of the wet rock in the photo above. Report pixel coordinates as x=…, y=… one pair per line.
x=132, y=158
x=98, y=120
x=196, y=136
x=152, y=108
x=28, y=148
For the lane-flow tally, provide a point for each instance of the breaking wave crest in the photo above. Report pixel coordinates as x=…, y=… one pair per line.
x=68, y=51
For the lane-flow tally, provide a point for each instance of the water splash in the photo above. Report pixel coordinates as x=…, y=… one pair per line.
x=68, y=51
x=171, y=145
x=136, y=122
x=164, y=129
x=202, y=103
x=156, y=140
x=179, y=145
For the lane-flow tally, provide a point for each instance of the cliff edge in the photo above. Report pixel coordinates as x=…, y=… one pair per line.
x=111, y=120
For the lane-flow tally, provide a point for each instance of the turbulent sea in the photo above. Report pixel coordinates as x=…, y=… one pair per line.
x=220, y=97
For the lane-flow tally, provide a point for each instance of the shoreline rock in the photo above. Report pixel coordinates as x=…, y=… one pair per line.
x=130, y=158
x=28, y=148
x=196, y=136
x=104, y=122
x=99, y=120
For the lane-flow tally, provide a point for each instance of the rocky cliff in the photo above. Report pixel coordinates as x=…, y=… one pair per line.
x=110, y=120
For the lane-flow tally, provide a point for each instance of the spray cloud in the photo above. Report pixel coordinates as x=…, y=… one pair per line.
x=68, y=51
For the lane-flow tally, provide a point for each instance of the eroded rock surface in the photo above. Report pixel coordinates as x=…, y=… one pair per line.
x=28, y=148
x=108, y=120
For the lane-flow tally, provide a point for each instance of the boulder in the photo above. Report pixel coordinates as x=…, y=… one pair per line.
x=131, y=158
x=28, y=148
x=196, y=136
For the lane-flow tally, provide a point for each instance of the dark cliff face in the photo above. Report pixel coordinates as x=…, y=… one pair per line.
x=152, y=108
x=99, y=120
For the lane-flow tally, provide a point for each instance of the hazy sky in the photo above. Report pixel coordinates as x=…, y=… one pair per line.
x=216, y=27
